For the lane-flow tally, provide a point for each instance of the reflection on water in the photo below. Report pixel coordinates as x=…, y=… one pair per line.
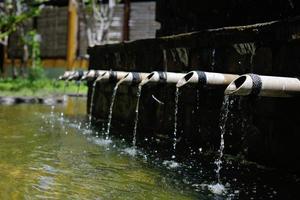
x=63, y=162
x=48, y=156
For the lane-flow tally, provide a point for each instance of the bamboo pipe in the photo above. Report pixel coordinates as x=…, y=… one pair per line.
x=206, y=78
x=133, y=78
x=66, y=75
x=92, y=75
x=162, y=77
x=267, y=86
x=115, y=76
x=76, y=75
x=105, y=76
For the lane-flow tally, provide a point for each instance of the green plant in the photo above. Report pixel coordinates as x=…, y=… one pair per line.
x=41, y=87
x=36, y=71
x=15, y=12
x=13, y=15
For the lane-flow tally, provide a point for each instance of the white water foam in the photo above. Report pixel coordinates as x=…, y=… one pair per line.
x=171, y=164
x=218, y=189
x=132, y=151
x=101, y=141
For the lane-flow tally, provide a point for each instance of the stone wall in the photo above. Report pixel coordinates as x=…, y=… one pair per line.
x=260, y=129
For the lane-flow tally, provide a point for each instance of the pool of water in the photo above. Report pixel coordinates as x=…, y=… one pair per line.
x=51, y=152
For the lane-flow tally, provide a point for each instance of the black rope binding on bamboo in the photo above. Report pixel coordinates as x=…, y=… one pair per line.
x=257, y=84
x=80, y=73
x=202, y=80
x=135, y=77
x=162, y=76
x=97, y=74
x=112, y=76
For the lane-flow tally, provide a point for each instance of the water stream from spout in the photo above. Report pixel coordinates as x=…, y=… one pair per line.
x=175, y=122
x=110, y=111
x=139, y=91
x=65, y=86
x=198, y=107
x=92, y=102
x=78, y=88
x=222, y=125
x=213, y=59
x=61, y=113
x=76, y=101
x=53, y=104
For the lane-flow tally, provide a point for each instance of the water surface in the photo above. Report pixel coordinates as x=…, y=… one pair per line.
x=52, y=152
x=47, y=156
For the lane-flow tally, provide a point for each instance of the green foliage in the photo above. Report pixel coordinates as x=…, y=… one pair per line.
x=41, y=87
x=11, y=17
x=36, y=71
x=13, y=14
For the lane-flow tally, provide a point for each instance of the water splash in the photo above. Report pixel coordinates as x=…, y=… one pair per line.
x=217, y=189
x=136, y=115
x=53, y=106
x=62, y=122
x=92, y=102
x=175, y=123
x=222, y=125
x=131, y=151
x=101, y=142
x=110, y=110
x=171, y=164
x=64, y=96
x=52, y=116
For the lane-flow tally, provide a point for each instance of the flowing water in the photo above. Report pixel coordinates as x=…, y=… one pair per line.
x=138, y=94
x=38, y=162
x=71, y=162
x=78, y=88
x=92, y=101
x=175, y=123
x=213, y=59
x=198, y=107
x=111, y=110
x=65, y=86
x=77, y=96
x=222, y=125
x=219, y=188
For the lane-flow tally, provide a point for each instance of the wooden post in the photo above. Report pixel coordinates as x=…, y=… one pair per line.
x=72, y=33
x=126, y=20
